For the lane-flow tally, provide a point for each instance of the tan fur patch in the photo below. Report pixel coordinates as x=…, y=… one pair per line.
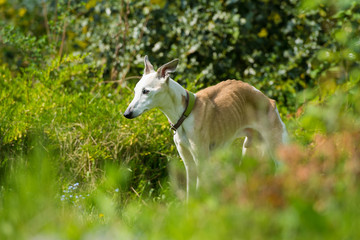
x=230, y=106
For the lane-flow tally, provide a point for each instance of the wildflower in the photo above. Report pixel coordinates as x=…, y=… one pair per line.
x=101, y=215
x=117, y=190
x=277, y=18
x=299, y=41
x=263, y=33
x=22, y=12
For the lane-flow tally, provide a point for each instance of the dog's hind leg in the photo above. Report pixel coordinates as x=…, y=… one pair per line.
x=272, y=139
x=246, y=145
x=251, y=142
x=248, y=140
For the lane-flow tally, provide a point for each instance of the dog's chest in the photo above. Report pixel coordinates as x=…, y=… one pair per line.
x=181, y=139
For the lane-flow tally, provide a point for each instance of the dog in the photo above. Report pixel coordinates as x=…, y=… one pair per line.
x=209, y=119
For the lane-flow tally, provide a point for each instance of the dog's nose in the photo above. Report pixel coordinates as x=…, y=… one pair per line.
x=128, y=114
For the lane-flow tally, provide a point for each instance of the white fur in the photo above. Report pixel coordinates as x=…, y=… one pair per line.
x=285, y=136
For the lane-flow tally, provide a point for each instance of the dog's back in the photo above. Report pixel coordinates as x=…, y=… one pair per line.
x=230, y=107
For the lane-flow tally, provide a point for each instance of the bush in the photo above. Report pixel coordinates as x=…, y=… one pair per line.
x=271, y=44
x=80, y=120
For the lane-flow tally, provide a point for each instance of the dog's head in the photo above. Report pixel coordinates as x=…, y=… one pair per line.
x=150, y=90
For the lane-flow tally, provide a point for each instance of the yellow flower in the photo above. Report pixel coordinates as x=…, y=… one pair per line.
x=2, y=2
x=322, y=13
x=263, y=33
x=90, y=4
x=302, y=15
x=22, y=11
x=161, y=3
x=277, y=18
x=84, y=29
x=82, y=44
x=101, y=215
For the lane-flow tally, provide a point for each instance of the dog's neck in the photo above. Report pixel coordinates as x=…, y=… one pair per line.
x=174, y=102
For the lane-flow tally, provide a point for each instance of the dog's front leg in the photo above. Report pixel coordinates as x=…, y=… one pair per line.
x=190, y=168
x=200, y=153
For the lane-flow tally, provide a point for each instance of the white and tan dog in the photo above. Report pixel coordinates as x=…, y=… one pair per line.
x=209, y=119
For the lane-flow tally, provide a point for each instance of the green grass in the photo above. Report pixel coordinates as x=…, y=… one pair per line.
x=82, y=127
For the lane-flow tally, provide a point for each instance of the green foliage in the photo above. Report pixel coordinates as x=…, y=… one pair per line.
x=79, y=118
x=69, y=157
x=271, y=44
x=24, y=50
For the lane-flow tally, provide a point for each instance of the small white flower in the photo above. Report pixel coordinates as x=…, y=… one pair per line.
x=156, y=47
x=281, y=72
x=299, y=41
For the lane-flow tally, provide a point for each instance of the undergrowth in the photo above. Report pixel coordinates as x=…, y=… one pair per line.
x=82, y=127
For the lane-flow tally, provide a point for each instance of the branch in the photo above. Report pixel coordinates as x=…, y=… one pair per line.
x=64, y=33
x=123, y=77
x=46, y=21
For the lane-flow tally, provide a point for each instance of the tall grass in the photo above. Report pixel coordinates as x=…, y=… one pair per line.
x=81, y=125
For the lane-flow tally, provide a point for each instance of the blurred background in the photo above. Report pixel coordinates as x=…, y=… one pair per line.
x=67, y=70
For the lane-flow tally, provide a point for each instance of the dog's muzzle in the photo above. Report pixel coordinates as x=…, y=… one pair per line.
x=128, y=113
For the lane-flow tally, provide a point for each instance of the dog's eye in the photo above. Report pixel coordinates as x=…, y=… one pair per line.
x=145, y=91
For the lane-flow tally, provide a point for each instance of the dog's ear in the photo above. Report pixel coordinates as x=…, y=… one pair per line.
x=166, y=69
x=148, y=67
